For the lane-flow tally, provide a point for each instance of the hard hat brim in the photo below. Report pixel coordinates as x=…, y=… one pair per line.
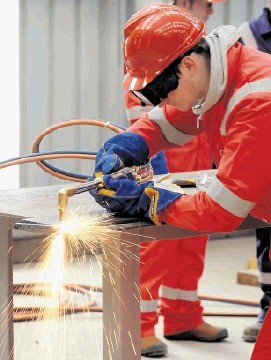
x=130, y=83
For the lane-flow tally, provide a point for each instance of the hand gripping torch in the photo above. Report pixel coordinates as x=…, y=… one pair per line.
x=140, y=173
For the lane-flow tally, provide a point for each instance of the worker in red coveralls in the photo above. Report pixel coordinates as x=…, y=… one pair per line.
x=173, y=65
x=165, y=265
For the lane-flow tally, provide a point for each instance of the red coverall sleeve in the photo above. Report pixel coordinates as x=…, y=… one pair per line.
x=243, y=177
x=183, y=122
x=194, y=155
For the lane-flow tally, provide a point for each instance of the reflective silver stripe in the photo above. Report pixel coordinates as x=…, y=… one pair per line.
x=136, y=112
x=172, y=135
x=263, y=85
x=177, y=294
x=265, y=278
x=133, y=83
x=247, y=35
x=228, y=200
x=148, y=305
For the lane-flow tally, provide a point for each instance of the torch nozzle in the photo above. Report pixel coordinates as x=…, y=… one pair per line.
x=65, y=193
x=62, y=203
x=140, y=173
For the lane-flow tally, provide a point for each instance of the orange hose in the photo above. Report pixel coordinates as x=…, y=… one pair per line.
x=38, y=158
x=35, y=313
x=230, y=313
x=44, y=157
x=63, y=124
x=30, y=313
x=230, y=300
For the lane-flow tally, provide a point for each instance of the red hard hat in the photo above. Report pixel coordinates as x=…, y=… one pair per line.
x=154, y=37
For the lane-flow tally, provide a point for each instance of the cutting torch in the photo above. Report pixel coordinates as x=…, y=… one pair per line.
x=139, y=173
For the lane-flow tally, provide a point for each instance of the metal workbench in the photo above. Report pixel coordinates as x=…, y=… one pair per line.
x=121, y=309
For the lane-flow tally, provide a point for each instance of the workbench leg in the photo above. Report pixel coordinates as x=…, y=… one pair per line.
x=6, y=288
x=121, y=300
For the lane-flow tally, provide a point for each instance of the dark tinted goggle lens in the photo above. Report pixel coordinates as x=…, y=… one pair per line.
x=159, y=88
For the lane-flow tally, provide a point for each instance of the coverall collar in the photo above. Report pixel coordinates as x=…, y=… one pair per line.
x=220, y=40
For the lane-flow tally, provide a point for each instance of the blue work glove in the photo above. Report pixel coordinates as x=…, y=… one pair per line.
x=155, y=199
x=120, y=195
x=124, y=197
x=125, y=149
x=159, y=163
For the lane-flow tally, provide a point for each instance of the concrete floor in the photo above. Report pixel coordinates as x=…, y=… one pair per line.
x=79, y=336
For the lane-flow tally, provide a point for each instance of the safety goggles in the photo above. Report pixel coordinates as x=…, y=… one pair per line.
x=202, y=3
x=159, y=88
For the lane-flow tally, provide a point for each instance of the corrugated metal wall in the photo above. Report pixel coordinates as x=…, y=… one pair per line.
x=71, y=67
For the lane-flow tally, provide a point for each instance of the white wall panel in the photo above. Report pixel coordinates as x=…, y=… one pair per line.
x=34, y=78
x=9, y=89
x=71, y=67
x=233, y=12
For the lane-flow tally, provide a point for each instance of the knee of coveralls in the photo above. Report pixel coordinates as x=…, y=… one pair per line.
x=152, y=271
x=262, y=348
x=179, y=302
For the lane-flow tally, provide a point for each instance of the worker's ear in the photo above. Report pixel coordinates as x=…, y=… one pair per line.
x=188, y=66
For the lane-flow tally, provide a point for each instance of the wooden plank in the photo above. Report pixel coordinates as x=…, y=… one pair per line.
x=248, y=277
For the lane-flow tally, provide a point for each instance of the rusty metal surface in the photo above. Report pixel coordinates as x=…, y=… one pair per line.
x=42, y=202
x=38, y=207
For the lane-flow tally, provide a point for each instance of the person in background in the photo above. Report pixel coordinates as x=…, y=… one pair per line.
x=183, y=72
x=257, y=34
x=201, y=9
x=170, y=270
